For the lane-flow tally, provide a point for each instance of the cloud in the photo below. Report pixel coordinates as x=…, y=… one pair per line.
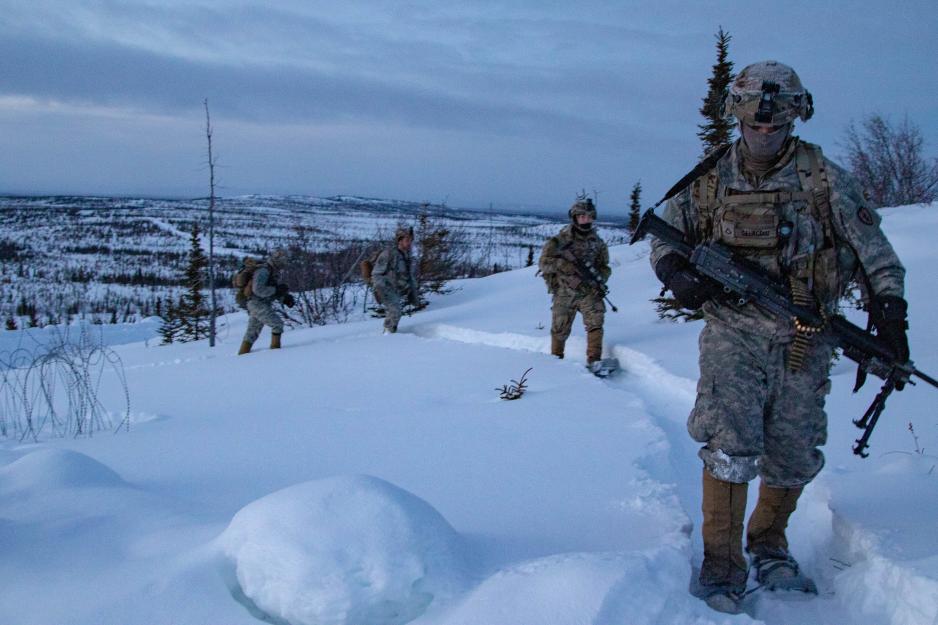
x=612, y=87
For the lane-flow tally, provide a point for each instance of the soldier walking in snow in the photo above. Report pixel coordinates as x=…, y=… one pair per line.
x=258, y=290
x=393, y=278
x=563, y=262
x=780, y=204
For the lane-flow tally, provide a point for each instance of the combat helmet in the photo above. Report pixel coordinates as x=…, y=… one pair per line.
x=278, y=258
x=768, y=93
x=583, y=206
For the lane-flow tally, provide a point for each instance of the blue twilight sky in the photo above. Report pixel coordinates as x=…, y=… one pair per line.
x=517, y=104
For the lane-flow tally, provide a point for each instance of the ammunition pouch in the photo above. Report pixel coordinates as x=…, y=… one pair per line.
x=743, y=221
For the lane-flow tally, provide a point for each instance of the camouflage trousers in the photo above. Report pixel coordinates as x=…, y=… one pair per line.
x=260, y=313
x=393, y=307
x=564, y=310
x=755, y=416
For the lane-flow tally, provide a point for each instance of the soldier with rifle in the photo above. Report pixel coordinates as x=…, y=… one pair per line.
x=575, y=266
x=764, y=236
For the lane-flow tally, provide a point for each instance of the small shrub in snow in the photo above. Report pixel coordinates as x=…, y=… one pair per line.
x=516, y=389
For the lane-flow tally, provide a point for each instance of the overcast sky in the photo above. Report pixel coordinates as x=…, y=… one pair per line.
x=517, y=104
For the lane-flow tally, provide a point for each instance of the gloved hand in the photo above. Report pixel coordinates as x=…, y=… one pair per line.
x=889, y=313
x=289, y=301
x=282, y=290
x=690, y=289
x=413, y=300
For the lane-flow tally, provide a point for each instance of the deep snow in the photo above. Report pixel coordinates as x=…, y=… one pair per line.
x=577, y=503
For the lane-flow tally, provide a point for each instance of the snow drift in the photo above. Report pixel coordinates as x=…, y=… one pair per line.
x=343, y=551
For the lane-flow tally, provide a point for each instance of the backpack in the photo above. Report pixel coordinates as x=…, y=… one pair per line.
x=368, y=266
x=243, y=281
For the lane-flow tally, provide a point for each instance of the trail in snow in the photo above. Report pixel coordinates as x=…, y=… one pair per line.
x=666, y=398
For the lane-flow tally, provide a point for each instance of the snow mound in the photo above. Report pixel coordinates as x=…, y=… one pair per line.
x=350, y=550
x=52, y=469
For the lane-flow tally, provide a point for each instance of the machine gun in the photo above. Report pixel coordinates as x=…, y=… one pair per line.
x=745, y=283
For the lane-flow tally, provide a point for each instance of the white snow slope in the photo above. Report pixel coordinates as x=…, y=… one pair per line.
x=358, y=478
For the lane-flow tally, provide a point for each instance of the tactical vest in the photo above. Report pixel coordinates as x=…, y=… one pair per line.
x=751, y=223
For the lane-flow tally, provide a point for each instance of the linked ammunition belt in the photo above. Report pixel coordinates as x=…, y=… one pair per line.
x=801, y=296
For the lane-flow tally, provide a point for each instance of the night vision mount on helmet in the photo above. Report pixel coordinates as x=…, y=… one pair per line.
x=768, y=93
x=583, y=206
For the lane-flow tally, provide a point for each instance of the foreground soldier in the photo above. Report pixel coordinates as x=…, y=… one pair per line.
x=777, y=202
x=576, y=243
x=260, y=292
x=393, y=278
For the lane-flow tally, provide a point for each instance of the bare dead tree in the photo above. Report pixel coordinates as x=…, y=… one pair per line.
x=889, y=163
x=211, y=228
x=324, y=280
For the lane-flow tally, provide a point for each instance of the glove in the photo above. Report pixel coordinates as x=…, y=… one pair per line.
x=282, y=291
x=413, y=300
x=889, y=314
x=289, y=301
x=690, y=289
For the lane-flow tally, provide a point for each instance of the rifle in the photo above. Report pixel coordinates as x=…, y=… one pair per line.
x=588, y=273
x=748, y=283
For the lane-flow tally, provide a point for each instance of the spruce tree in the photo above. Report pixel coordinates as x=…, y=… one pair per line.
x=437, y=256
x=635, y=208
x=169, y=324
x=717, y=130
x=192, y=311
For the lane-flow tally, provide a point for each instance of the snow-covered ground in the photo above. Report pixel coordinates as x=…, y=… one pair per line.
x=358, y=478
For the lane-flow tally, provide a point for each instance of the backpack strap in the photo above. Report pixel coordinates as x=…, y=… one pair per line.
x=704, y=192
x=812, y=174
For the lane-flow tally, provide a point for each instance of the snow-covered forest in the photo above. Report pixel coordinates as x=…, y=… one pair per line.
x=109, y=260
x=358, y=478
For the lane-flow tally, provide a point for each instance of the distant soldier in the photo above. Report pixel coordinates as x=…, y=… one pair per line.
x=777, y=202
x=260, y=287
x=562, y=263
x=393, y=278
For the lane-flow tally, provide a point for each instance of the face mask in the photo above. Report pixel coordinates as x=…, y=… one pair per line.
x=583, y=227
x=765, y=146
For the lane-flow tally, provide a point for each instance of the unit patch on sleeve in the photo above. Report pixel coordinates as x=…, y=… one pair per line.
x=864, y=214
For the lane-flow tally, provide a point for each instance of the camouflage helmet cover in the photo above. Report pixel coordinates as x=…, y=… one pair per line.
x=583, y=206
x=277, y=258
x=768, y=93
x=402, y=232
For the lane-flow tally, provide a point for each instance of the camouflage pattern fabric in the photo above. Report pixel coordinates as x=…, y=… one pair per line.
x=391, y=300
x=561, y=274
x=564, y=310
x=264, y=284
x=755, y=416
x=394, y=271
x=260, y=304
x=261, y=313
x=393, y=281
x=860, y=243
x=571, y=293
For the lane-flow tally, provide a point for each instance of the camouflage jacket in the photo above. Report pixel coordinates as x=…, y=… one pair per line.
x=561, y=274
x=826, y=257
x=264, y=282
x=394, y=270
